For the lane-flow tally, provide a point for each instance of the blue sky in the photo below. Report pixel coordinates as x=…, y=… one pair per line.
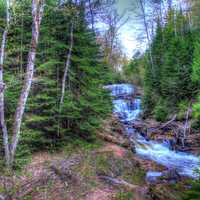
x=130, y=32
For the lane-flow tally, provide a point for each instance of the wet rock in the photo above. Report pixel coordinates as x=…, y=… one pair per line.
x=171, y=175
x=172, y=132
x=153, y=176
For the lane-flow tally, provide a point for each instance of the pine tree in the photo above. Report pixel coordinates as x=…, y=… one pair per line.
x=172, y=51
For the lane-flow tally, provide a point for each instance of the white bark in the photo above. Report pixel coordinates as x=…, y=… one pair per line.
x=37, y=12
x=2, y=85
x=186, y=126
x=67, y=64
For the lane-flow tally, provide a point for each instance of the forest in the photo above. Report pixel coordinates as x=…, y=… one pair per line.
x=86, y=115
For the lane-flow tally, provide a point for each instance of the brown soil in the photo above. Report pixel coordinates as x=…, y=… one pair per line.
x=76, y=176
x=115, y=149
x=101, y=194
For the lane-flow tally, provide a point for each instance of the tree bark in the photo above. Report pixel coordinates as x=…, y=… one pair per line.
x=67, y=65
x=2, y=86
x=119, y=182
x=186, y=126
x=37, y=12
x=91, y=14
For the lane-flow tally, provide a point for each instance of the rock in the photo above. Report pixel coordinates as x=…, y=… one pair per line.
x=173, y=131
x=171, y=175
x=153, y=176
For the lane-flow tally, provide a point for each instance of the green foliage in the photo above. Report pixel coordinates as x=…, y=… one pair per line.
x=182, y=110
x=196, y=114
x=161, y=110
x=134, y=71
x=169, y=78
x=47, y=124
x=196, y=109
x=124, y=196
x=196, y=63
x=194, y=192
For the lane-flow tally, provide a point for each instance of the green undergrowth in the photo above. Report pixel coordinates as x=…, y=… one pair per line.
x=122, y=195
x=69, y=146
x=107, y=164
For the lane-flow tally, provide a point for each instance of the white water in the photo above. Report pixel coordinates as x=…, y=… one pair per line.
x=129, y=110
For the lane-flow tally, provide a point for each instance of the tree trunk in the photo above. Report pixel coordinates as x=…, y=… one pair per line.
x=119, y=182
x=67, y=65
x=2, y=86
x=147, y=35
x=37, y=12
x=186, y=126
x=91, y=14
x=65, y=74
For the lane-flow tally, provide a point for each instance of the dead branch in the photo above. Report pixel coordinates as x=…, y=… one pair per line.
x=169, y=122
x=119, y=182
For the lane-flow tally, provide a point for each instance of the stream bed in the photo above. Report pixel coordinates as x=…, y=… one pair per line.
x=128, y=109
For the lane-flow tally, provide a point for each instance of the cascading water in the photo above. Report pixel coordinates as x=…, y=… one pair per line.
x=128, y=109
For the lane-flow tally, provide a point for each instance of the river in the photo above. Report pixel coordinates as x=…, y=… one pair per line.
x=128, y=109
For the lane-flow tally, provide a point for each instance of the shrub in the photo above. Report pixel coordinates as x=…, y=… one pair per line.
x=124, y=196
x=161, y=110
x=196, y=111
x=194, y=192
x=182, y=109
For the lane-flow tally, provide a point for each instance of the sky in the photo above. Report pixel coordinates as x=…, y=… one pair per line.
x=130, y=32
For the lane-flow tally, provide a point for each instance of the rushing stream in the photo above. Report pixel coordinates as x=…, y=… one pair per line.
x=128, y=109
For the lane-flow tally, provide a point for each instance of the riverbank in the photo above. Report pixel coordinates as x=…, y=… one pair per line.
x=178, y=133
x=172, y=132
x=127, y=107
x=106, y=172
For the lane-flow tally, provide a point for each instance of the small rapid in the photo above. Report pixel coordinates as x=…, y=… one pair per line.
x=128, y=109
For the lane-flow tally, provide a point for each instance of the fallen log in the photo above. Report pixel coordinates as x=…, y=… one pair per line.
x=119, y=182
x=168, y=123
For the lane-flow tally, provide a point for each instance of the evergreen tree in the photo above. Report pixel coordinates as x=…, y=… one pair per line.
x=85, y=102
x=170, y=82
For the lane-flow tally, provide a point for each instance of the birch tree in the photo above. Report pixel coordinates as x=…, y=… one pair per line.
x=10, y=148
x=2, y=84
x=67, y=64
x=66, y=69
x=37, y=12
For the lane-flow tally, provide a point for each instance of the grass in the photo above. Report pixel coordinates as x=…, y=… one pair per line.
x=124, y=196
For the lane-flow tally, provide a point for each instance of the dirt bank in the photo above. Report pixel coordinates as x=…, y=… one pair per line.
x=109, y=172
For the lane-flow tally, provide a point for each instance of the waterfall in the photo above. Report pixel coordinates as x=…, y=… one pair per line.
x=128, y=110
